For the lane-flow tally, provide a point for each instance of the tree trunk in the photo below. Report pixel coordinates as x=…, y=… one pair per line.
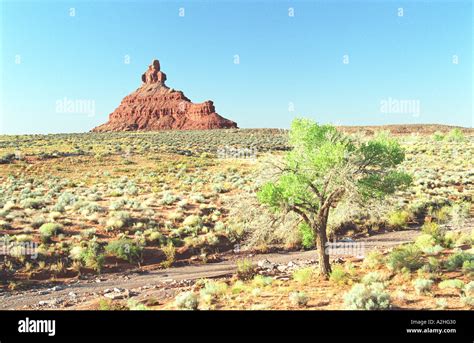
x=321, y=240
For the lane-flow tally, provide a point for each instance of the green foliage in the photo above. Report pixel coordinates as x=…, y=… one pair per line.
x=438, y=136
x=245, y=270
x=442, y=215
x=325, y=166
x=125, y=249
x=367, y=297
x=307, y=236
x=339, y=275
x=457, y=260
x=212, y=290
x=321, y=149
x=262, y=281
x=456, y=135
x=91, y=256
x=453, y=283
x=374, y=259
x=170, y=255
x=399, y=219
x=192, y=221
x=468, y=267
x=379, y=185
x=424, y=241
x=406, y=256
x=304, y=275
x=49, y=230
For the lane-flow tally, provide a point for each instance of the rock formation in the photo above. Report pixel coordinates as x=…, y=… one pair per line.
x=154, y=106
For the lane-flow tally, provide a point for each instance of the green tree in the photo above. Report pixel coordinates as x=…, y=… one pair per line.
x=323, y=167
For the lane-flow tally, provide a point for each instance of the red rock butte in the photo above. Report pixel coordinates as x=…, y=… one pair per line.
x=155, y=106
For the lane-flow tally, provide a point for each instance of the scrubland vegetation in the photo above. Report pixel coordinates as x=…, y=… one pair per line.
x=105, y=203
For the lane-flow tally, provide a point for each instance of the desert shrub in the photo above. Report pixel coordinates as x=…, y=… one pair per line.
x=457, y=260
x=303, y=275
x=433, y=265
x=155, y=236
x=65, y=199
x=443, y=214
x=299, y=299
x=434, y=250
x=467, y=300
x=374, y=259
x=238, y=287
x=449, y=238
x=32, y=203
x=49, y=230
x=433, y=229
x=453, y=283
x=219, y=188
x=125, y=249
x=422, y=286
x=441, y=304
x=338, y=275
x=119, y=220
x=235, y=232
x=367, y=297
x=407, y=256
x=425, y=241
x=373, y=277
x=438, y=136
x=134, y=305
x=468, y=267
x=469, y=288
x=459, y=214
x=7, y=158
x=109, y=305
x=176, y=216
x=399, y=219
x=192, y=221
x=463, y=239
x=91, y=256
x=212, y=239
x=75, y=252
x=37, y=222
x=199, y=198
x=187, y=301
x=456, y=135
x=212, y=290
x=307, y=236
x=245, y=270
x=170, y=255
x=168, y=198
x=219, y=226
x=262, y=281
x=23, y=238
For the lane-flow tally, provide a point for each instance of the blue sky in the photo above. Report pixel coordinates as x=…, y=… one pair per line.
x=289, y=66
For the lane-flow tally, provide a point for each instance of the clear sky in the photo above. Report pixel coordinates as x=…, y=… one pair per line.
x=410, y=67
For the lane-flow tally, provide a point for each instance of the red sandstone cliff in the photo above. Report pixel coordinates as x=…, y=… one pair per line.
x=154, y=106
